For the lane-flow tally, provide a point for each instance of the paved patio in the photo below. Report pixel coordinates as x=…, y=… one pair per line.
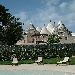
x=53, y=67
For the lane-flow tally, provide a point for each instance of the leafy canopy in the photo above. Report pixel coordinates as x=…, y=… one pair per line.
x=53, y=38
x=10, y=28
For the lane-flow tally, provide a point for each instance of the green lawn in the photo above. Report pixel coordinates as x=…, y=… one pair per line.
x=72, y=60
x=52, y=60
x=45, y=61
x=5, y=62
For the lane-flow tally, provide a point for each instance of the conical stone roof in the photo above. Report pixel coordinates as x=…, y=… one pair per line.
x=31, y=29
x=38, y=29
x=50, y=27
x=60, y=22
x=31, y=26
x=61, y=26
x=44, y=31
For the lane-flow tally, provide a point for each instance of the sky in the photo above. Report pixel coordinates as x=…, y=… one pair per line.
x=40, y=12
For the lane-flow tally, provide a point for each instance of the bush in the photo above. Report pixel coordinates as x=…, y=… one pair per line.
x=26, y=52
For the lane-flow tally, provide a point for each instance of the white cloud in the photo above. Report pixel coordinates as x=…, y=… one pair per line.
x=63, y=5
x=66, y=15
x=71, y=16
x=22, y=15
x=51, y=11
x=72, y=6
x=50, y=2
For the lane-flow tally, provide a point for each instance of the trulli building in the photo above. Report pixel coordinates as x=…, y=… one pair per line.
x=39, y=35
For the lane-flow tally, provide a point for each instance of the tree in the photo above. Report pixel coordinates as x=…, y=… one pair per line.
x=10, y=29
x=13, y=32
x=4, y=16
x=53, y=38
x=4, y=20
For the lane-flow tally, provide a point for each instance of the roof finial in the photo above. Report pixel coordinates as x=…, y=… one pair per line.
x=54, y=24
x=31, y=22
x=50, y=20
x=44, y=24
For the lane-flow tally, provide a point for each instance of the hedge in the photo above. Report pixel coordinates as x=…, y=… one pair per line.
x=25, y=52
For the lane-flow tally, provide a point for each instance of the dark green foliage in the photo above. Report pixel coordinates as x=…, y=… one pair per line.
x=31, y=52
x=53, y=38
x=13, y=32
x=4, y=16
x=4, y=21
x=10, y=28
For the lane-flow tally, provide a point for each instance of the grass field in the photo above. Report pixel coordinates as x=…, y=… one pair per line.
x=45, y=61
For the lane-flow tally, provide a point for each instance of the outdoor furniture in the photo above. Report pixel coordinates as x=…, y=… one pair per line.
x=15, y=62
x=65, y=61
x=39, y=61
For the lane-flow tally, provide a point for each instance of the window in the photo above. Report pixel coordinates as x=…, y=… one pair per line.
x=24, y=41
x=38, y=37
x=58, y=33
x=59, y=29
x=43, y=36
x=66, y=38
